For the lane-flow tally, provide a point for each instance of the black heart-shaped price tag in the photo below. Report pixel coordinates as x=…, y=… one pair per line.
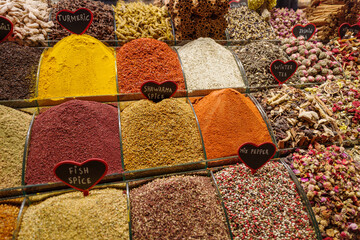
x=157, y=92
x=283, y=71
x=306, y=31
x=238, y=3
x=254, y=156
x=347, y=27
x=6, y=28
x=75, y=22
x=81, y=176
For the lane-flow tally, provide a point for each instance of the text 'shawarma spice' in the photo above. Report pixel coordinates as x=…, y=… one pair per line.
x=159, y=134
x=8, y=216
x=144, y=60
x=208, y=65
x=77, y=131
x=101, y=215
x=179, y=207
x=78, y=65
x=228, y=119
x=13, y=129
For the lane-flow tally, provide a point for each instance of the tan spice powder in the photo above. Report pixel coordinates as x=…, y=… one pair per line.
x=159, y=134
x=8, y=216
x=101, y=215
x=178, y=207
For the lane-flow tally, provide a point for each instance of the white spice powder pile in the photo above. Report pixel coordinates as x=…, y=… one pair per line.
x=100, y=215
x=208, y=65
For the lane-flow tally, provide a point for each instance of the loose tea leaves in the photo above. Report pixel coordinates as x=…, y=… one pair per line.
x=178, y=207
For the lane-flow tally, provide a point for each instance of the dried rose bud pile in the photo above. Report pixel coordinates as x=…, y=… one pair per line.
x=332, y=183
x=284, y=19
x=342, y=100
x=267, y=198
x=297, y=118
x=314, y=64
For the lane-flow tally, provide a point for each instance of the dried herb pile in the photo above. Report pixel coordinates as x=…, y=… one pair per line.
x=18, y=70
x=8, y=217
x=179, y=207
x=198, y=18
x=101, y=215
x=332, y=183
x=264, y=205
x=256, y=57
x=159, y=134
x=246, y=24
x=297, y=118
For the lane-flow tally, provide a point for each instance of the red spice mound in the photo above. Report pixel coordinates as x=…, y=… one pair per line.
x=228, y=119
x=147, y=59
x=75, y=130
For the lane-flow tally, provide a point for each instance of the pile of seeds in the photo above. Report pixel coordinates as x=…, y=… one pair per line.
x=101, y=215
x=208, y=65
x=297, y=118
x=13, y=129
x=256, y=58
x=180, y=207
x=246, y=24
x=18, y=69
x=332, y=183
x=159, y=134
x=8, y=216
x=102, y=26
x=264, y=205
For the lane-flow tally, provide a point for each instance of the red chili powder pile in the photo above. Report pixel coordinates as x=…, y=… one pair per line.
x=147, y=59
x=228, y=119
x=75, y=130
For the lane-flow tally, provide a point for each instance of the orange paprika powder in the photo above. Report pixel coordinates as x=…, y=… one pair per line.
x=147, y=59
x=228, y=119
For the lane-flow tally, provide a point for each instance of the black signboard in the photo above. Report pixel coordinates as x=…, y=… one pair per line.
x=283, y=71
x=347, y=27
x=238, y=3
x=254, y=156
x=157, y=92
x=306, y=31
x=81, y=176
x=6, y=28
x=75, y=22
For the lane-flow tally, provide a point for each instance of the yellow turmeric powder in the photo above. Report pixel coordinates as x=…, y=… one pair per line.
x=78, y=65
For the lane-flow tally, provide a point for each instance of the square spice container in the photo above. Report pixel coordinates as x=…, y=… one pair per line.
x=187, y=184
x=109, y=203
x=232, y=159
x=51, y=101
x=56, y=184
x=254, y=223
x=203, y=92
x=151, y=155
x=294, y=123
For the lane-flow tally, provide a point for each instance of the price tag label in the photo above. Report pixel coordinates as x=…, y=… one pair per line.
x=283, y=71
x=75, y=22
x=157, y=92
x=6, y=28
x=355, y=29
x=81, y=176
x=238, y=3
x=306, y=31
x=256, y=156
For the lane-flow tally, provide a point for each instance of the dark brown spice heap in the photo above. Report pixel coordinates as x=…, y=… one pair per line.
x=179, y=207
x=18, y=67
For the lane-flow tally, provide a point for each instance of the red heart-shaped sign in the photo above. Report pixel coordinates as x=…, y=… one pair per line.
x=75, y=22
x=282, y=71
x=81, y=176
x=6, y=28
x=306, y=31
x=256, y=156
x=346, y=26
x=158, y=91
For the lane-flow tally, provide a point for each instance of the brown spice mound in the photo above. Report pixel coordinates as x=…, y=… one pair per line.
x=8, y=216
x=180, y=207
